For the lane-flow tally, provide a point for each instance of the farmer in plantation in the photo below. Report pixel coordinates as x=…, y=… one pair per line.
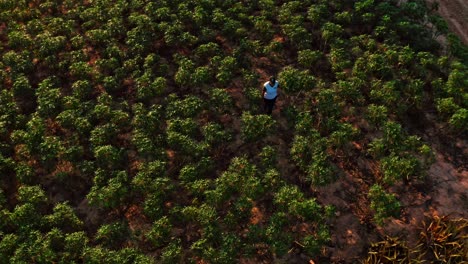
x=270, y=93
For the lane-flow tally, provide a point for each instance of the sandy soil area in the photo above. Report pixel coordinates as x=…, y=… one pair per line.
x=455, y=12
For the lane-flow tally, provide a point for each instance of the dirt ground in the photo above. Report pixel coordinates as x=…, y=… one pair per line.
x=445, y=194
x=455, y=12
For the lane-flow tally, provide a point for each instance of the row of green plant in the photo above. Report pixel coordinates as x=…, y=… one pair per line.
x=128, y=103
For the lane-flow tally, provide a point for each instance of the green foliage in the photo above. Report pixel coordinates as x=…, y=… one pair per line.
x=149, y=87
x=116, y=114
x=309, y=154
x=318, y=13
x=300, y=151
x=21, y=86
x=240, y=178
x=459, y=120
x=188, y=107
x=309, y=58
x=296, y=33
x=33, y=195
x=8, y=245
x=172, y=253
x=383, y=204
x=320, y=171
x=112, y=235
x=125, y=255
x=268, y=157
x=447, y=106
x=25, y=216
x=82, y=89
x=393, y=134
x=19, y=40
x=227, y=69
x=309, y=209
x=256, y=127
x=108, y=156
x=377, y=114
x=33, y=248
x=64, y=217
x=215, y=134
x=220, y=100
x=457, y=47
x=151, y=175
x=331, y=31
x=18, y=62
x=160, y=231
x=304, y=124
x=207, y=50
x=48, y=99
x=395, y=168
x=286, y=195
x=111, y=193
x=264, y=27
x=291, y=200
x=279, y=241
x=186, y=126
x=294, y=80
x=342, y=136
x=339, y=59
x=80, y=70
x=75, y=244
x=153, y=205
x=328, y=105
x=102, y=135
x=314, y=243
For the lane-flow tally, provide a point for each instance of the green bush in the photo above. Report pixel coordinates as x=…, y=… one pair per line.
x=160, y=231
x=309, y=58
x=112, y=235
x=377, y=114
x=215, y=134
x=383, y=204
x=320, y=171
x=187, y=107
x=64, y=217
x=293, y=80
x=256, y=127
x=22, y=87
x=395, y=168
x=459, y=120
x=220, y=100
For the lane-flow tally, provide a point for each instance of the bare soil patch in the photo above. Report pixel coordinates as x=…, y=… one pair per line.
x=455, y=12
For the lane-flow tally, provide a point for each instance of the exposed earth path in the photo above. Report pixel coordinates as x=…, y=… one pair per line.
x=455, y=12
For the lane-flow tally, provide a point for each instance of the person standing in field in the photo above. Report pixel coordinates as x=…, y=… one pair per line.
x=270, y=93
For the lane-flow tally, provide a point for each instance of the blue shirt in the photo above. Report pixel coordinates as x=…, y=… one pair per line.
x=271, y=91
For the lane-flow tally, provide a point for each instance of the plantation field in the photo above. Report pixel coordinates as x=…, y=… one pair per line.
x=133, y=131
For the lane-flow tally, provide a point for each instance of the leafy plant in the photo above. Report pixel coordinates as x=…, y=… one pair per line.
x=309, y=58
x=256, y=127
x=215, y=134
x=122, y=115
x=395, y=168
x=383, y=204
x=294, y=80
x=160, y=231
x=113, y=234
x=187, y=107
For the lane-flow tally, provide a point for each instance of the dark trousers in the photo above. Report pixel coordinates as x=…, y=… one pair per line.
x=269, y=104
